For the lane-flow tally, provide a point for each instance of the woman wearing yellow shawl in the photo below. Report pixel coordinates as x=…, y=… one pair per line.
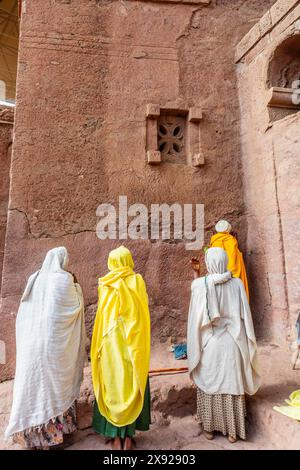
x=120, y=352
x=224, y=239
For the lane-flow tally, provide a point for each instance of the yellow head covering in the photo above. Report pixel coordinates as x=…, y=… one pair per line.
x=235, y=258
x=120, y=265
x=120, y=351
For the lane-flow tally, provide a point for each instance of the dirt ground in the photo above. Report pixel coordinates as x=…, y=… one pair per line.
x=174, y=425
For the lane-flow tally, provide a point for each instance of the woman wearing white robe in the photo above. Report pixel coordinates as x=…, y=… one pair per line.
x=50, y=339
x=222, y=351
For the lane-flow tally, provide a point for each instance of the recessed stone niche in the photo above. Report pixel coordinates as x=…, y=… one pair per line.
x=284, y=79
x=173, y=134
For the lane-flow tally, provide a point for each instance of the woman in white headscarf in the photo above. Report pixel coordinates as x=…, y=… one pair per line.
x=221, y=348
x=50, y=339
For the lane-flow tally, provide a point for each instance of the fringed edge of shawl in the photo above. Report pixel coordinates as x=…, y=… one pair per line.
x=38, y=428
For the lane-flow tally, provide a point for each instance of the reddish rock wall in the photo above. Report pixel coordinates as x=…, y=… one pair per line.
x=6, y=125
x=271, y=174
x=87, y=70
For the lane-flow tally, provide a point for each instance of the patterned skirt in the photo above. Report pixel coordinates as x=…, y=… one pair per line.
x=49, y=434
x=223, y=413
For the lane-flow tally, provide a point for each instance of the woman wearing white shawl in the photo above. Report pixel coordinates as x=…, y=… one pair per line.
x=221, y=348
x=50, y=339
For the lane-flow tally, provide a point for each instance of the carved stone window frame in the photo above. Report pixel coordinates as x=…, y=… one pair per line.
x=282, y=100
x=194, y=154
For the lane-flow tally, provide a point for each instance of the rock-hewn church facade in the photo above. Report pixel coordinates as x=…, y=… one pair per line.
x=178, y=101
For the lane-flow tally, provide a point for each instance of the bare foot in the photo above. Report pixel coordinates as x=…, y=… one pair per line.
x=209, y=435
x=116, y=444
x=127, y=443
x=231, y=439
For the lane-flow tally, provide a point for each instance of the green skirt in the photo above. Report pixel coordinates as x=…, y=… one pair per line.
x=104, y=427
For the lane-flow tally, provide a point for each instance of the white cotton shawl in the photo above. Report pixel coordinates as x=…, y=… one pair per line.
x=219, y=308
x=50, y=338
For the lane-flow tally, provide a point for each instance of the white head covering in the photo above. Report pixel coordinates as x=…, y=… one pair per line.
x=223, y=226
x=216, y=260
x=50, y=338
x=56, y=261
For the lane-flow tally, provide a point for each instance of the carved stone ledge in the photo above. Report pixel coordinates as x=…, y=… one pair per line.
x=153, y=111
x=198, y=159
x=195, y=114
x=154, y=157
x=284, y=98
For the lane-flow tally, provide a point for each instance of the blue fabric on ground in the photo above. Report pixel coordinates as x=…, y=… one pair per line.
x=180, y=351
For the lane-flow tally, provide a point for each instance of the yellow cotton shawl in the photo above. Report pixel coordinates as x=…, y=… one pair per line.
x=293, y=410
x=235, y=258
x=120, y=350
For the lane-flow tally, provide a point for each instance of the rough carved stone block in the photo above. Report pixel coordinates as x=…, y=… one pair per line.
x=153, y=111
x=265, y=23
x=280, y=9
x=198, y=159
x=195, y=114
x=154, y=157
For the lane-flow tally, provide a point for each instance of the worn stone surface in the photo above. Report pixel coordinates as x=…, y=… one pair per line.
x=80, y=138
x=276, y=14
x=281, y=8
x=271, y=175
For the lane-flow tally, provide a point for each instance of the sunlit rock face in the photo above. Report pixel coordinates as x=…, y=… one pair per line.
x=87, y=73
x=268, y=74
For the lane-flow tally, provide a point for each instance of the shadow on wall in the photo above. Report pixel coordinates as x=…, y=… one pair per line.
x=260, y=293
x=4, y=197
